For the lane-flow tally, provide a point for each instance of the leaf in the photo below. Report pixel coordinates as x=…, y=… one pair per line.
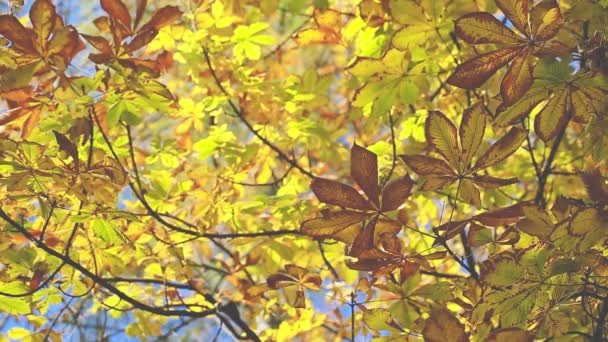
x=470, y=193
x=517, y=13
x=142, y=39
x=502, y=149
x=484, y=28
x=442, y=326
x=489, y=182
x=162, y=17
x=380, y=319
x=396, y=192
x=14, y=305
x=67, y=146
x=441, y=135
x=596, y=186
x=510, y=335
x=335, y=193
x=518, y=79
x=553, y=117
x=42, y=15
x=545, y=19
x=117, y=10
x=508, y=116
x=99, y=43
x=437, y=182
x=472, y=129
x=21, y=37
x=426, y=166
x=105, y=231
x=501, y=216
x=331, y=223
x=139, y=11
x=364, y=170
x=475, y=72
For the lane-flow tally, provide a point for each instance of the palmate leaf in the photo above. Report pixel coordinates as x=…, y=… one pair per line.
x=536, y=26
x=295, y=276
x=364, y=170
x=335, y=193
x=332, y=223
x=458, y=147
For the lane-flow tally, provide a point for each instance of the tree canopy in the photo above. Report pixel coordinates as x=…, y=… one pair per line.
x=298, y=170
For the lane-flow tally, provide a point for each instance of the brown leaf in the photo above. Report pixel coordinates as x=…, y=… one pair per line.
x=437, y=182
x=426, y=166
x=501, y=216
x=517, y=13
x=489, y=182
x=364, y=170
x=472, y=129
x=102, y=24
x=365, y=239
x=42, y=15
x=139, y=11
x=518, y=79
x=441, y=135
x=118, y=11
x=396, y=192
x=99, y=43
x=503, y=148
x=31, y=122
x=20, y=36
x=335, y=193
x=65, y=43
x=545, y=19
x=596, y=186
x=510, y=335
x=141, y=40
x=332, y=223
x=484, y=28
x=442, y=326
x=475, y=72
x=162, y=17
x=67, y=146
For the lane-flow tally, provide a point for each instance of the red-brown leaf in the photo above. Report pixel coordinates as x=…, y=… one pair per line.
x=162, y=17
x=364, y=170
x=99, y=43
x=142, y=39
x=139, y=11
x=335, y=193
x=20, y=36
x=501, y=216
x=396, y=192
x=117, y=11
x=67, y=146
x=476, y=71
x=489, y=182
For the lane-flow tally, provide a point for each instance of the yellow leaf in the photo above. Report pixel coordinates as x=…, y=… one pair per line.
x=441, y=135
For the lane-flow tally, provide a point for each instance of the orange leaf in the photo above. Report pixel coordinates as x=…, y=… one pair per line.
x=441, y=135
x=442, y=326
x=484, y=28
x=503, y=148
x=501, y=216
x=139, y=11
x=364, y=170
x=42, y=15
x=396, y=192
x=426, y=166
x=472, y=129
x=475, y=72
x=162, y=17
x=331, y=223
x=118, y=11
x=517, y=13
x=517, y=80
x=335, y=193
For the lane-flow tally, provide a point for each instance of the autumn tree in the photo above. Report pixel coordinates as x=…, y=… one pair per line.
x=304, y=170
